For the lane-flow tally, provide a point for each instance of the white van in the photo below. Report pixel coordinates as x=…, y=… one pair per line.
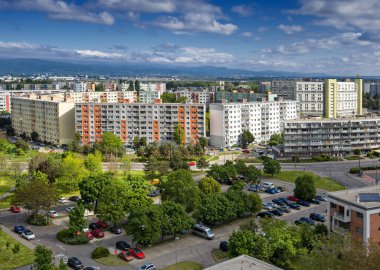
x=267, y=185
x=203, y=231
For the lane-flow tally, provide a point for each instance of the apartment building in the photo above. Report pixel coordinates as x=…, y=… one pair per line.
x=5, y=101
x=284, y=88
x=155, y=122
x=203, y=97
x=48, y=115
x=150, y=86
x=264, y=87
x=262, y=119
x=78, y=97
x=355, y=212
x=222, y=97
x=79, y=87
x=149, y=96
x=373, y=89
x=313, y=136
x=310, y=96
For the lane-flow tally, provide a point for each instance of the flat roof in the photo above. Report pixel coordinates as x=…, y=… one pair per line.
x=243, y=262
x=355, y=196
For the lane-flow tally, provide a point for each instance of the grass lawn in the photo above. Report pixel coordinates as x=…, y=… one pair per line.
x=6, y=183
x=6, y=203
x=353, y=158
x=325, y=183
x=219, y=256
x=10, y=261
x=112, y=260
x=137, y=173
x=251, y=160
x=307, y=160
x=213, y=158
x=184, y=266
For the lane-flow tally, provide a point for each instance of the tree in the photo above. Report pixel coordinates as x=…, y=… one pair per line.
x=276, y=139
x=249, y=243
x=305, y=187
x=91, y=188
x=137, y=87
x=75, y=145
x=143, y=142
x=155, y=169
x=203, y=142
x=131, y=86
x=247, y=138
x=34, y=135
x=174, y=218
x=255, y=203
x=112, y=145
x=179, y=135
x=43, y=258
x=168, y=97
x=99, y=87
x=77, y=222
x=36, y=194
x=271, y=166
x=72, y=172
x=202, y=163
x=177, y=162
x=136, y=142
x=181, y=188
x=208, y=186
x=93, y=163
x=144, y=224
x=23, y=145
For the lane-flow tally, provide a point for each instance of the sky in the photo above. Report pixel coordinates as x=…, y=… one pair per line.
x=336, y=37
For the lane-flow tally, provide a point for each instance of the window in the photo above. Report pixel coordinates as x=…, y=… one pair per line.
x=359, y=215
x=333, y=205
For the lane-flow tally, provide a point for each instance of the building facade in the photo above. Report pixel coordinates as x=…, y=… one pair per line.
x=312, y=136
x=310, y=95
x=355, y=212
x=127, y=97
x=50, y=116
x=148, y=96
x=150, y=86
x=284, y=88
x=203, y=97
x=262, y=119
x=155, y=122
x=223, y=97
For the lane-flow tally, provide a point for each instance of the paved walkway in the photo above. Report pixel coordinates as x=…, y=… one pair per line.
x=17, y=237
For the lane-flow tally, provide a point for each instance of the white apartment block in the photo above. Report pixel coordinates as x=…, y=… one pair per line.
x=306, y=137
x=79, y=87
x=150, y=86
x=5, y=101
x=78, y=97
x=148, y=96
x=310, y=97
x=49, y=116
x=262, y=119
x=155, y=122
x=203, y=97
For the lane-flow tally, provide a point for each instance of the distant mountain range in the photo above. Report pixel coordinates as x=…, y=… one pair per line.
x=38, y=66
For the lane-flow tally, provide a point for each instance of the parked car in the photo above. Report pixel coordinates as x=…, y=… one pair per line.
x=223, y=246
x=53, y=214
x=293, y=199
x=266, y=214
x=246, y=151
x=102, y=224
x=295, y=206
x=203, y=231
x=268, y=185
x=317, y=217
x=28, y=234
x=15, y=209
x=89, y=268
x=277, y=212
x=74, y=198
x=122, y=245
x=94, y=226
x=148, y=266
x=271, y=191
x=115, y=230
x=19, y=229
x=281, y=189
x=137, y=253
x=278, y=202
x=285, y=200
x=267, y=206
x=97, y=233
x=63, y=200
x=125, y=256
x=315, y=201
x=303, y=203
x=321, y=198
x=284, y=208
x=89, y=235
x=69, y=209
x=75, y=263
x=305, y=220
x=254, y=188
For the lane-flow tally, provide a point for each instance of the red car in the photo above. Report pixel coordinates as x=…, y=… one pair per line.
x=98, y=233
x=102, y=224
x=15, y=209
x=137, y=253
x=246, y=151
x=293, y=199
x=89, y=235
x=125, y=256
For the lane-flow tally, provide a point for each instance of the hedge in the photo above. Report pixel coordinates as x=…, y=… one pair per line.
x=100, y=252
x=38, y=220
x=355, y=170
x=67, y=237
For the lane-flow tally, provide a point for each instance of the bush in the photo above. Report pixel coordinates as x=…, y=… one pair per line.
x=67, y=237
x=354, y=170
x=100, y=252
x=38, y=220
x=321, y=158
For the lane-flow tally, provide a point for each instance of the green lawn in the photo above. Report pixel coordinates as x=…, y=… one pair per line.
x=251, y=160
x=6, y=183
x=219, y=256
x=10, y=261
x=325, y=183
x=112, y=260
x=213, y=158
x=184, y=266
x=6, y=203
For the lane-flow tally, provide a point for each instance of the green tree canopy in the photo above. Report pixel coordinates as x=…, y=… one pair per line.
x=305, y=187
x=174, y=218
x=179, y=135
x=77, y=222
x=247, y=138
x=271, y=166
x=112, y=145
x=208, y=185
x=202, y=163
x=93, y=163
x=43, y=258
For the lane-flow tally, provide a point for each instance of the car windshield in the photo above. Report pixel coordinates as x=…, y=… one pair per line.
x=137, y=250
x=28, y=233
x=208, y=231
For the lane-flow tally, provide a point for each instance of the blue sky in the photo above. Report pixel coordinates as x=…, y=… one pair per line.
x=337, y=37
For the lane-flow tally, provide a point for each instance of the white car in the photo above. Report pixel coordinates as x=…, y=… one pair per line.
x=62, y=200
x=69, y=209
x=267, y=206
x=28, y=234
x=53, y=214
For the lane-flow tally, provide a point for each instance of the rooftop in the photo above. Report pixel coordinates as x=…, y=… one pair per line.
x=243, y=262
x=367, y=197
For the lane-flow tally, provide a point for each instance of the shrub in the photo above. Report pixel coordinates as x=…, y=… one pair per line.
x=354, y=170
x=67, y=237
x=321, y=158
x=100, y=252
x=38, y=220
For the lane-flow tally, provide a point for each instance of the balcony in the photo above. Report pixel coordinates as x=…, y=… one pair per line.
x=342, y=217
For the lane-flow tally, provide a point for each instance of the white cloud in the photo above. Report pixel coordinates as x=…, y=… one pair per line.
x=290, y=29
x=99, y=54
x=262, y=29
x=243, y=10
x=150, y=6
x=247, y=34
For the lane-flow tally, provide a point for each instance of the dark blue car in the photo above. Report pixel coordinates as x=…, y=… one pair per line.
x=19, y=229
x=294, y=206
x=271, y=191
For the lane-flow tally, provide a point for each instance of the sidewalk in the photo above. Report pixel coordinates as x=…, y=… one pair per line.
x=17, y=237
